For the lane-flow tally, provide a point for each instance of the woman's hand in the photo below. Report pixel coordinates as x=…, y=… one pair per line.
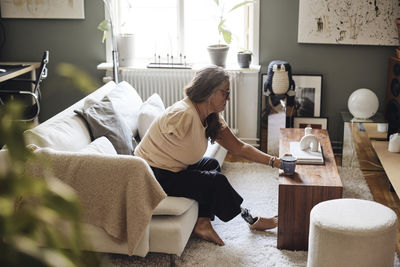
x=278, y=163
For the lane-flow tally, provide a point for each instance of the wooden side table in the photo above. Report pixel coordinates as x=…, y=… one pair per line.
x=298, y=194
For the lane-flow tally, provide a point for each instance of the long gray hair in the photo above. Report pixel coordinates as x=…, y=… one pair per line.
x=205, y=83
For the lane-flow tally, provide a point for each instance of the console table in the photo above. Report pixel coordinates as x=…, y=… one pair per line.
x=298, y=194
x=357, y=149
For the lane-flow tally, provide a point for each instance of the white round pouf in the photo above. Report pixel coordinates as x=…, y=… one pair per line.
x=351, y=232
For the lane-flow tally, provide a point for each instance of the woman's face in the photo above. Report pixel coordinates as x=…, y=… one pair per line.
x=219, y=98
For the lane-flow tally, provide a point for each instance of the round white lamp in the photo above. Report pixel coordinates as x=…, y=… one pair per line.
x=363, y=104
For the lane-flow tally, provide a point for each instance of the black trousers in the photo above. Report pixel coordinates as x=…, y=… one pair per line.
x=204, y=183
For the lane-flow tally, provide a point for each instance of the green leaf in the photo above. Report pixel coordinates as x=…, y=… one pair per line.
x=227, y=35
x=217, y=2
x=241, y=4
x=221, y=25
x=104, y=26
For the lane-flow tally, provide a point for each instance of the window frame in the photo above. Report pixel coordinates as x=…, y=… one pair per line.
x=252, y=15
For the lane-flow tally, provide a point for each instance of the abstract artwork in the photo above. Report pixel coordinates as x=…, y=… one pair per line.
x=44, y=9
x=362, y=22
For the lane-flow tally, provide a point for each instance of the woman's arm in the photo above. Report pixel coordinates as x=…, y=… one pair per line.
x=238, y=148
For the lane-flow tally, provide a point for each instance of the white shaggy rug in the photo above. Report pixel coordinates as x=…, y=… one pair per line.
x=258, y=185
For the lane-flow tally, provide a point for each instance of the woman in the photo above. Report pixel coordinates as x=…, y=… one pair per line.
x=177, y=140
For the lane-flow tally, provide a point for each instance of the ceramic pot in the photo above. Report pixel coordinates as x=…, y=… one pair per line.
x=244, y=59
x=218, y=54
x=126, y=49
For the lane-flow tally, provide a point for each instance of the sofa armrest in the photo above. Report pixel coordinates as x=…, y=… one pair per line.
x=118, y=193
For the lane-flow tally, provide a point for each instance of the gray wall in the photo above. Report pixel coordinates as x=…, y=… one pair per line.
x=344, y=67
x=71, y=41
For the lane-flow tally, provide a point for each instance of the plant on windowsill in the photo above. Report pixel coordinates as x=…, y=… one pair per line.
x=244, y=58
x=218, y=52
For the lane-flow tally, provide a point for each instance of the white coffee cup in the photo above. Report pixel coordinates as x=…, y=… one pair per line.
x=382, y=127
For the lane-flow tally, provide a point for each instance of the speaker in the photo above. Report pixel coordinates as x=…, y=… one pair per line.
x=392, y=100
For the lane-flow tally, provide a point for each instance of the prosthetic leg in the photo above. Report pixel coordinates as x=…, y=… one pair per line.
x=258, y=223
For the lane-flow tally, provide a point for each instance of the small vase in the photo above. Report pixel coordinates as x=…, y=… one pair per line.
x=244, y=59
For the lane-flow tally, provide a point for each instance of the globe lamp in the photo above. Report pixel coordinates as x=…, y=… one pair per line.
x=363, y=104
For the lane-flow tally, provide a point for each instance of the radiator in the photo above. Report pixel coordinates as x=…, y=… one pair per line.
x=169, y=85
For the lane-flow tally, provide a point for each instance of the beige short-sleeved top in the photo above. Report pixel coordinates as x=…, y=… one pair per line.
x=176, y=139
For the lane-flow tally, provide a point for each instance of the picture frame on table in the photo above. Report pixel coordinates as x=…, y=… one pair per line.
x=308, y=89
x=315, y=123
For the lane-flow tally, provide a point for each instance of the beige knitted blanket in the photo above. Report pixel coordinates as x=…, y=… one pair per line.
x=118, y=193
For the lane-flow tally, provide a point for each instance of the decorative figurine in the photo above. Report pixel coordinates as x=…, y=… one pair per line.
x=309, y=141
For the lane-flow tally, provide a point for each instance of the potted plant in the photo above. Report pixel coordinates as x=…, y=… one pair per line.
x=218, y=52
x=244, y=58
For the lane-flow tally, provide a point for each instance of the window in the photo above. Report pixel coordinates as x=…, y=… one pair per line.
x=184, y=28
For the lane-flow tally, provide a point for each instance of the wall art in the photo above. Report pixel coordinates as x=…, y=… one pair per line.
x=362, y=22
x=44, y=9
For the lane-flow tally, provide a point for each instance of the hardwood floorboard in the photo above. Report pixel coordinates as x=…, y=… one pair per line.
x=377, y=182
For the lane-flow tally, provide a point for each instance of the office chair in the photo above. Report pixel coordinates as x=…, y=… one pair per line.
x=30, y=111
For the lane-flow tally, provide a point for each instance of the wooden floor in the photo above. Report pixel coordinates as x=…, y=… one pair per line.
x=378, y=184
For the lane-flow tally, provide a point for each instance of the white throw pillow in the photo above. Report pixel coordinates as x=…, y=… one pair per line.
x=99, y=146
x=126, y=102
x=148, y=112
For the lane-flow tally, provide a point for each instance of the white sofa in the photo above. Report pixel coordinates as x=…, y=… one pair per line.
x=173, y=219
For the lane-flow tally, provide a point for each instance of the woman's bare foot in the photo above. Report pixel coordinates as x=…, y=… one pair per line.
x=204, y=230
x=264, y=223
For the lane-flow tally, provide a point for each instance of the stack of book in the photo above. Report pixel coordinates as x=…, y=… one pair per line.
x=306, y=156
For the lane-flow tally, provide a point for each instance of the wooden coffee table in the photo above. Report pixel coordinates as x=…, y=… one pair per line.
x=298, y=194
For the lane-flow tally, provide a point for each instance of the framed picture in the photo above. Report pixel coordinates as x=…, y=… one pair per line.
x=315, y=123
x=348, y=22
x=54, y=9
x=308, y=95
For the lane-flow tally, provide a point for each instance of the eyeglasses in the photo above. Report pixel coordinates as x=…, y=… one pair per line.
x=225, y=93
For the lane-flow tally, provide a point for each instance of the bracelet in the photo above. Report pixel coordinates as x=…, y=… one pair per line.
x=271, y=161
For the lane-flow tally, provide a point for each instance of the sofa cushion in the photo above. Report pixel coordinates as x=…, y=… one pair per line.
x=128, y=101
x=173, y=206
x=101, y=146
x=104, y=121
x=148, y=112
x=66, y=131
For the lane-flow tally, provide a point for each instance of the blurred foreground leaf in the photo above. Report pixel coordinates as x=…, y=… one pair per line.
x=33, y=210
x=78, y=77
